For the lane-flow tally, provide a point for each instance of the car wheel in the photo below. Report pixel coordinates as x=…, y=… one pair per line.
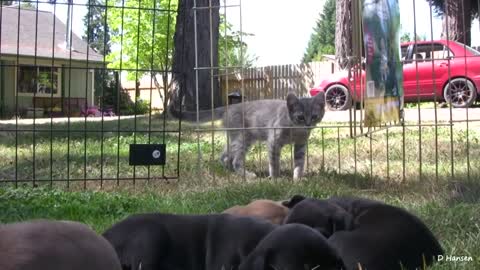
x=338, y=98
x=460, y=92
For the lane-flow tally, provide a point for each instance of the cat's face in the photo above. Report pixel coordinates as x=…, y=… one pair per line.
x=306, y=111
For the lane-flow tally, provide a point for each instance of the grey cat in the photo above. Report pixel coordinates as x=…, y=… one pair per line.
x=277, y=122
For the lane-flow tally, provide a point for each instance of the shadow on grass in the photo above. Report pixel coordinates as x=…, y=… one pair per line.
x=141, y=129
x=464, y=191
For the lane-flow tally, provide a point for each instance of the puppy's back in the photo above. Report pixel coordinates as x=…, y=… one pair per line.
x=384, y=235
x=266, y=209
x=157, y=240
x=169, y=241
x=54, y=245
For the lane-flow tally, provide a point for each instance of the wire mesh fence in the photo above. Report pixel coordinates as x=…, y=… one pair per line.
x=436, y=139
x=73, y=105
x=68, y=118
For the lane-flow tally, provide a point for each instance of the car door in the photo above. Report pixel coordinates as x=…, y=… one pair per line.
x=423, y=71
x=444, y=59
x=417, y=72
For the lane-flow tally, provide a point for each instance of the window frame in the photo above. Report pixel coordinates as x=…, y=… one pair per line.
x=447, y=52
x=38, y=66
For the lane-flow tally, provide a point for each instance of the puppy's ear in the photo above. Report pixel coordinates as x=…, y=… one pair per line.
x=293, y=201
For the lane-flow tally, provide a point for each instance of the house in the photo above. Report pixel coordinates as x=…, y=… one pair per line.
x=38, y=69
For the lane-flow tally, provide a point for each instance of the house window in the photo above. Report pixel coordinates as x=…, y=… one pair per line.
x=38, y=80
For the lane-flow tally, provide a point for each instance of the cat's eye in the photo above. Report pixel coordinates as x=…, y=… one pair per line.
x=300, y=118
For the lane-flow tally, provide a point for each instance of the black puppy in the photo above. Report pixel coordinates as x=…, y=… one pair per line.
x=216, y=242
x=369, y=233
x=293, y=246
x=323, y=215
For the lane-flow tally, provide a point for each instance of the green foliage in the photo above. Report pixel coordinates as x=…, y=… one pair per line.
x=23, y=4
x=145, y=32
x=405, y=37
x=2, y=110
x=108, y=90
x=439, y=6
x=104, y=83
x=421, y=38
x=232, y=50
x=122, y=104
x=322, y=40
x=97, y=33
x=141, y=107
x=28, y=5
x=6, y=3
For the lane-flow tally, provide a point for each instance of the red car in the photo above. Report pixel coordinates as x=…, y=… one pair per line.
x=448, y=69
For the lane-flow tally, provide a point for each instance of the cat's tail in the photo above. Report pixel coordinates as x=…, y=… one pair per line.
x=191, y=116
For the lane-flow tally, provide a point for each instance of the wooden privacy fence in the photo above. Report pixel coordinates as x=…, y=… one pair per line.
x=276, y=81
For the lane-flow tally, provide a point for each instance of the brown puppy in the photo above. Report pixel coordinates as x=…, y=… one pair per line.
x=54, y=245
x=270, y=210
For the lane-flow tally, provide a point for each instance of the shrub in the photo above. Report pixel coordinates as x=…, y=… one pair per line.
x=108, y=91
x=142, y=107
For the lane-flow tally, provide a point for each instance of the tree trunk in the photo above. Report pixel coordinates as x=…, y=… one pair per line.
x=457, y=21
x=184, y=74
x=343, y=32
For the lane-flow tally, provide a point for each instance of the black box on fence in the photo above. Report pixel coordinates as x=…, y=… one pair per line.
x=147, y=154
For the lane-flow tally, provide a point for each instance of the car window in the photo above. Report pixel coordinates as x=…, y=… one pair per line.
x=427, y=52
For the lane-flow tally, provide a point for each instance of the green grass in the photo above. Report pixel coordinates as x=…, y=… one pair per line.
x=337, y=165
x=422, y=105
x=85, y=152
x=454, y=220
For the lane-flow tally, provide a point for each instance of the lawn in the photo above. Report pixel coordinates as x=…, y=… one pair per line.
x=454, y=219
x=96, y=150
x=412, y=169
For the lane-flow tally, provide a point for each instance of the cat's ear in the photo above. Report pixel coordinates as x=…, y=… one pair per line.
x=292, y=100
x=319, y=98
